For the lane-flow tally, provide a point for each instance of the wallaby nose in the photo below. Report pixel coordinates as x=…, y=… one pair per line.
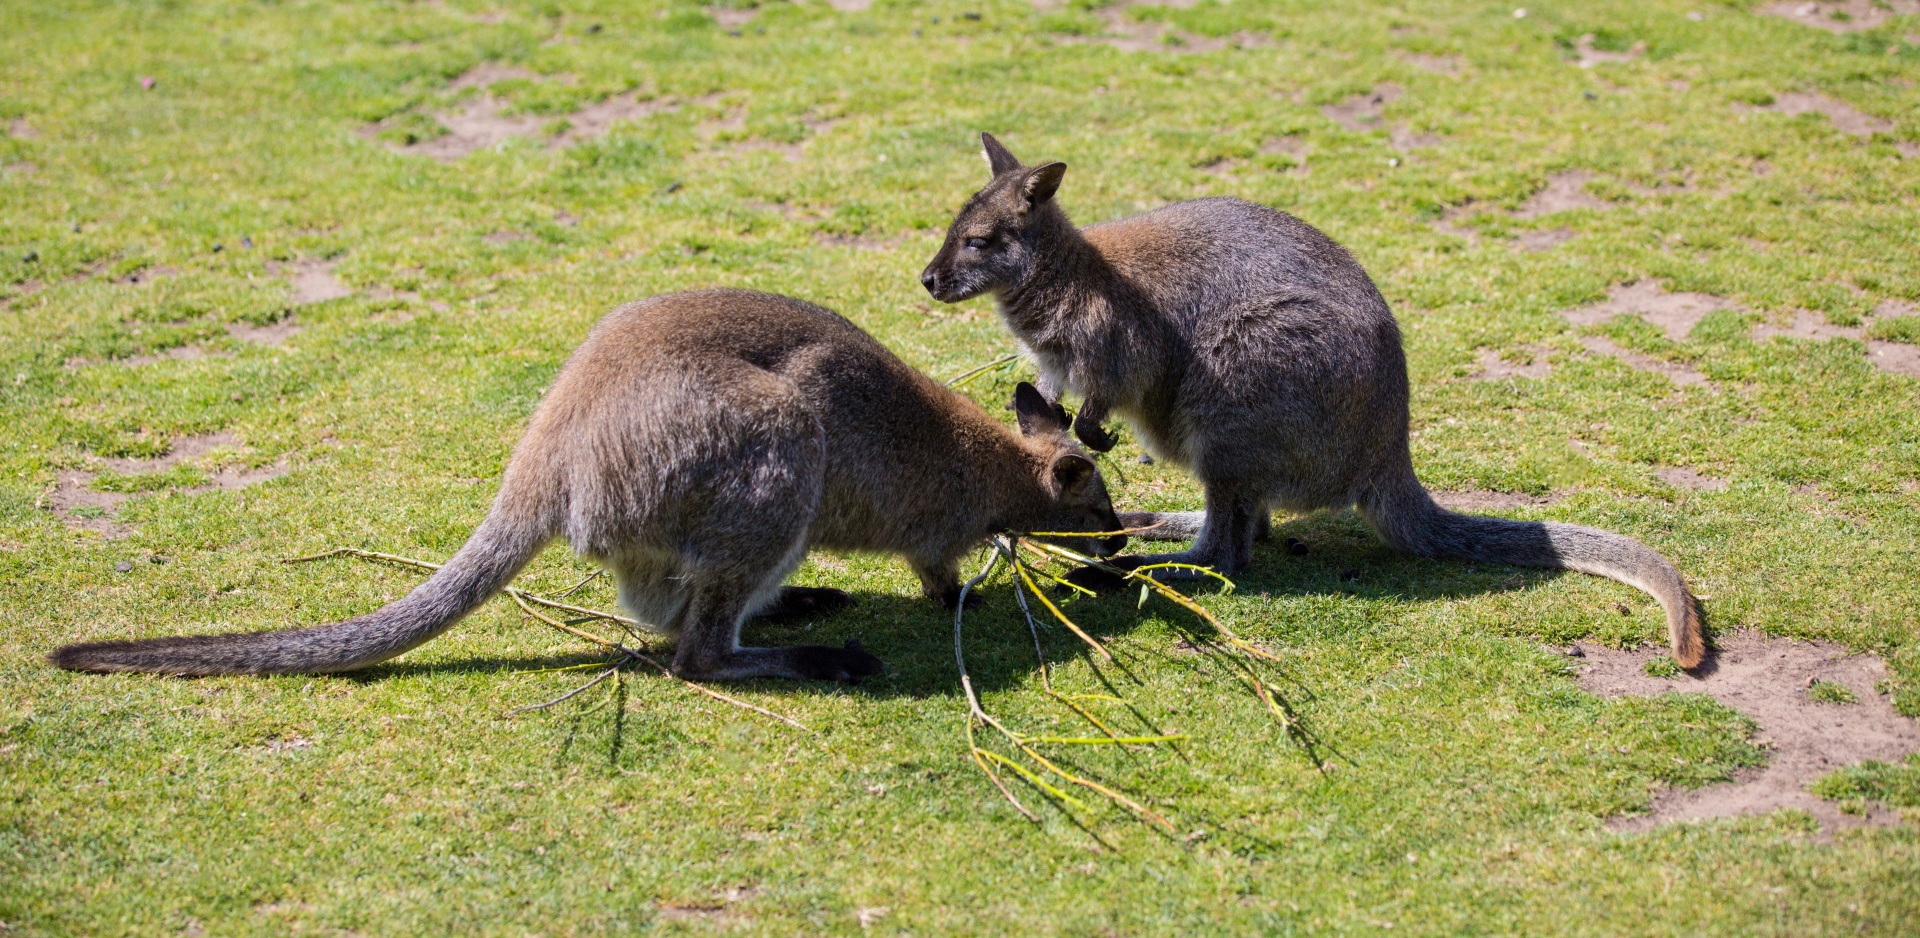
x=1115, y=544
x=930, y=280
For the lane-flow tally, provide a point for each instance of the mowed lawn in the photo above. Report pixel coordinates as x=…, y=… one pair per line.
x=282, y=277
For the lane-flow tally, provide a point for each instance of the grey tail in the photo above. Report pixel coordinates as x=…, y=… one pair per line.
x=1165, y=525
x=1406, y=517
x=491, y=558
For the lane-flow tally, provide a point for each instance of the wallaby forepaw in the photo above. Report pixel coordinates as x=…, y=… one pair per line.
x=807, y=601
x=1094, y=435
x=848, y=663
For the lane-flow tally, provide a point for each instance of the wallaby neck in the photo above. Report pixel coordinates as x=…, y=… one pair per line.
x=1067, y=277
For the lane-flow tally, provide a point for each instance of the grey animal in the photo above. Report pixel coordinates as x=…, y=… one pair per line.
x=1243, y=344
x=697, y=445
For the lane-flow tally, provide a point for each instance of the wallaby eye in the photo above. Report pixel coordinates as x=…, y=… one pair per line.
x=975, y=244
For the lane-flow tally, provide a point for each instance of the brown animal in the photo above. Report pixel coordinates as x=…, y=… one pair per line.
x=1243, y=344
x=698, y=445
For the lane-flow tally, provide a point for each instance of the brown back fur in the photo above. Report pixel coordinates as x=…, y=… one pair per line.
x=698, y=445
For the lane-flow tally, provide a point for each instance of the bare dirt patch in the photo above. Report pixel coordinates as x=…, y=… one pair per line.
x=1438, y=64
x=483, y=123
x=1767, y=679
x=850, y=6
x=1361, y=112
x=1449, y=221
x=1587, y=56
x=595, y=120
x=1545, y=240
x=1841, y=114
x=176, y=353
x=1479, y=500
x=1682, y=375
x=82, y=507
x=22, y=130
x=730, y=18
x=1848, y=16
x=856, y=242
x=1563, y=192
x=1675, y=313
x=312, y=281
x=1692, y=480
x=1892, y=357
x=1495, y=367
x=274, y=333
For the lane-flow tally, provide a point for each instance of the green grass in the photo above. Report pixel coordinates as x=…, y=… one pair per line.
x=1894, y=784
x=1455, y=778
x=1831, y=692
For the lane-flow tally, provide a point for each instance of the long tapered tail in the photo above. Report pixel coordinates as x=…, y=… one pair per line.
x=491, y=558
x=1406, y=517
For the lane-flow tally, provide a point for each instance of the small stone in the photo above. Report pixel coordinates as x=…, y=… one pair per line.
x=969, y=15
x=1624, y=609
x=236, y=397
x=1297, y=547
x=1590, y=95
x=218, y=247
x=158, y=558
x=1146, y=459
x=1573, y=651
x=596, y=27
x=124, y=566
x=246, y=242
x=31, y=257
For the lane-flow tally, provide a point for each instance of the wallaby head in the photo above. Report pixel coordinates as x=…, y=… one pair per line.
x=1079, y=500
x=993, y=242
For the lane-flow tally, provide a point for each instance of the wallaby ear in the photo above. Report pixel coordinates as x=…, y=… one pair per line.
x=1072, y=471
x=999, y=159
x=1044, y=181
x=1033, y=411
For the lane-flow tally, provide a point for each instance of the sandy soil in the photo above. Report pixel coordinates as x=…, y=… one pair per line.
x=1767, y=679
x=1842, y=114
x=72, y=487
x=1857, y=15
x=1495, y=368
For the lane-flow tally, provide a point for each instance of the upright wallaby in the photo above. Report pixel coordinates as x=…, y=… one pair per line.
x=1242, y=343
x=698, y=445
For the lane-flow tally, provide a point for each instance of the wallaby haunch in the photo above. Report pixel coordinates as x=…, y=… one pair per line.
x=698, y=445
x=1245, y=345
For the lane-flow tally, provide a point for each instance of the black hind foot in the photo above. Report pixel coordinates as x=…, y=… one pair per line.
x=806, y=601
x=849, y=663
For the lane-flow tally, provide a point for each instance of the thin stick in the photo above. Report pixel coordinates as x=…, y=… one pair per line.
x=569, y=695
x=710, y=692
x=972, y=373
x=526, y=600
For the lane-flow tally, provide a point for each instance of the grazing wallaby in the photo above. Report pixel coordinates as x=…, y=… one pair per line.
x=1245, y=345
x=698, y=445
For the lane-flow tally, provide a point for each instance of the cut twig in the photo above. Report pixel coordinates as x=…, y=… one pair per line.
x=569, y=695
x=977, y=715
x=972, y=373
